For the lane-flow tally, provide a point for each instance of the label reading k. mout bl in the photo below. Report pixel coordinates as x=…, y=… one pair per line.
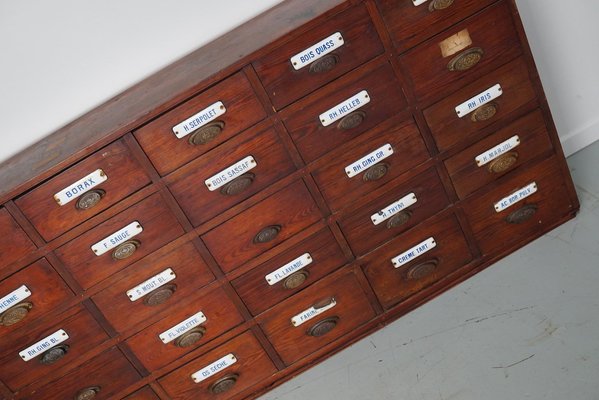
x=112, y=241
x=151, y=284
x=83, y=185
x=344, y=108
x=200, y=119
x=228, y=174
x=319, y=50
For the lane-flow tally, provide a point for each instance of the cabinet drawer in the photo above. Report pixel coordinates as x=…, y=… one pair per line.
x=241, y=109
x=154, y=288
x=423, y=261
x=159, y=227
x=15, y=244
x=83, y=333
x=526, y=218
x=290, y=272
x=399, y=141
x=100, y=378
x=262, y=226
x=327, y=310
x=463, y=53
x=405, y=205
x=146, y=393
x=498, y=154
x=30, y=294
x=229, y=369
x=448, y=129
x=338, y=100
x=262, y=160
x=83, y=190
x=284, y=83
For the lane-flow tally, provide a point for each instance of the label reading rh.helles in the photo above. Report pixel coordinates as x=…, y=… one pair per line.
x=344, y=108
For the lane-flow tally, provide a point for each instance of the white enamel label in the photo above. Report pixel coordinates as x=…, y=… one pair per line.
x=515, y=197
x=368, y=160
x=497, y=151
x=419, y=2
x=14, y=298
x=393, y=209
x=319, y=50
x=228, y=174
x=43, y=345
x=182, y=327
x=414, y=252
x=342, y=109
x=288, y=269
x=214, y=368
x=200, y=119
x=83, y=185
x=311, y=312
x=479, y=100
x=151, y=284
x=112, y=241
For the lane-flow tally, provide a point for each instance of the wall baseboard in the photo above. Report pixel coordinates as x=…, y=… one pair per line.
x=580, y=139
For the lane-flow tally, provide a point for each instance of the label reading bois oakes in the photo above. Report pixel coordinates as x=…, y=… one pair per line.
x=368, y=160
x=288, y=269
x=199, y=120
x=317, y=51
x=151, y=284
x=80, y=187
x=215, y=367
x=479, y=100
x=228, y=174
x=414, y=252
x=393, y=209
x=515, y=197
x=14, y=298
x=121, y=236
x=344, y=108
x=43, y=345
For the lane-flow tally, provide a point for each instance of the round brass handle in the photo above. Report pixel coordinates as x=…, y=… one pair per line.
x=54, y=354
x=160, y=295
x=206, y=133
x=437, y=5
x=503, y=163
x=296, y=279
x=224, y=384
x=125, y=250
x=238, y=184
x=523, y=214
x=466, y=60
x=87, y=393
x=90, y=199
x=323, y=327
x=422, y=270
x=15, y=314
x=484, y=112
x=376, y=172
x=190, y=338
x=399, y=219
x=324, y=64
x=267, y=234
x=352, y=120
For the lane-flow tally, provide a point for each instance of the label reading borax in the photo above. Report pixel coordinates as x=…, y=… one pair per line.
x=228, y=174
x=151, y=284
x=13, y=298
x=319, y=50
x=288, y=269
x=44, y=345
x=515, y=197
x=83, y=185
x=112, y=241
x=497, y=151
x=344, y=108
x=198, y=120
x=368, y=161
x=414, y=252
x=214, y=368
x=393, y=209
x=182, y=327
x=479, y=100
x=310, y=313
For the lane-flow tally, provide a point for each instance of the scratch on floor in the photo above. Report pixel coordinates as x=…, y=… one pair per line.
x=548, y=332
x=514, y=364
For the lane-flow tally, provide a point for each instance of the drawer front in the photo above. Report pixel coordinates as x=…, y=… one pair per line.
x=290, y=272
x=16, y=243
x=154, y=288
x=407, y=150
x=448, y=129
x=463, y=53
x=405, y=205
x=241, y=110
x=100, y=378
x=423, y=264
x=85, y=190
x=30, y=294
x=262, y=226
x=315, y=317
x=498, y=154
x=251, y=365
x=146, y=393
x=184, y=329
x=284, y=83
x=270, y=162
x=159, y=227
x=83, y=332
x=524, y=219
x=410, y=25
x=303, y=122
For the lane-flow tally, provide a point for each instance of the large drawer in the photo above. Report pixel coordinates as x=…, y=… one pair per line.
x=15, y=244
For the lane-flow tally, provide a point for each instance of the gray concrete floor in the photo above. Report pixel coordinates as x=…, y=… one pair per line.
x=525, y=328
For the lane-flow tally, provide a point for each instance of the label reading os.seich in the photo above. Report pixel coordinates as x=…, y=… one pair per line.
x=311, y=312
x=200, y=119
x=83, y=185
x=44, y=345
x=479, y=100
x=414, y=252
x=368, y=160
x=182, y=327
x=319, y=50
x=14, y=297
x=151, y=284
x=214, y=368
x=497, y=151
x=515, y=197
x=342, y=109
x=288, y=269
x=393, y=209
x=419, y=2
x=112, y=241
x=228, y=174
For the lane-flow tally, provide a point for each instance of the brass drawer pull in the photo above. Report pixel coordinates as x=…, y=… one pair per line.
x=437, y=5
x=54, y=354
x=238, y=184
x=325, y=64
x=503, y=163
x=126, y=250
x=267, y=234
x=522, y=215
x=87, y=393
x=296, y=279
x=90, y=199
x=466, y=60
x=399, y=219
x=352, y=120
x=206, y=133
x=190, y=338
x=224, y=384
x=376, y=172
x=422, y=270
x=323, y=327
x=484, y=112
x=160, y=295
x=15, y=314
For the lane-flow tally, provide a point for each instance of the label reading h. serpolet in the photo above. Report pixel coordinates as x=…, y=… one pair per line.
x=199, y=120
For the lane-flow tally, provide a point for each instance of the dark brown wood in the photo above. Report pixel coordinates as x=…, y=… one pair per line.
x=145, y=393
x=16, y=244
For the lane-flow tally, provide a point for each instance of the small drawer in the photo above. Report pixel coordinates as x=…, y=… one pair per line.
x=262, y=226
x=100, y=378
x=16, y=244
x=222, y=372
x=30, y=294
x=290, y=272
x=234, y=172
x=449, y=129
x=315, y=317
x=528, y=204
x=155, y=285
x=203, y=122
x=327, y=51
x=463, y=53
x=498, y=154
x=48, y=348
x=349, y=106
x=146, y=393
x=134, y=233
x=410, y=25
x=84, y=190
x=373, y=159
x=403, y=206
x=416, y=259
